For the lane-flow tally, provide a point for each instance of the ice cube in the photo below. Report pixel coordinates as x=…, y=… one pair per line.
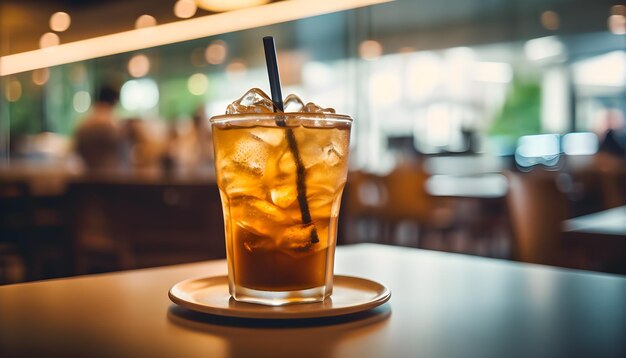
x=293, y=103
x=313, y=108
x=297, y=237
x=254, y=101
x=284, y=195
x=332, y=154
x=253, y=242
x=258, y=243
x=287, y=163
x=258, y=216
x=251, y=155
x=271, y=136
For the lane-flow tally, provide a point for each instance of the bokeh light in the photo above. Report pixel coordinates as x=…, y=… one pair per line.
x=49, y=39
x=144, y=21
x=139, y=94
x=13, y=91
x=370, y=50
x=139, y=65
x=617, y=24
x=185, y=9
x=550, y=20
x=81, y=101
x=197, y=84
x=60, y=21
x=40, y=76
x=216, y=52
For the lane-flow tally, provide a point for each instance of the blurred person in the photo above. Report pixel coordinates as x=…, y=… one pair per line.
x=203, y=138
x=138, y=149
x=168, y=160
x=98, y=140
x=190, y=144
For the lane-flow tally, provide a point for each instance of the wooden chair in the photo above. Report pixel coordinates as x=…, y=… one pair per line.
x=408, y=202
x=537, y=209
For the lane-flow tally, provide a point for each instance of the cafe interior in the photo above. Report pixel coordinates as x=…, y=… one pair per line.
x=473, y=175
x=482, y=128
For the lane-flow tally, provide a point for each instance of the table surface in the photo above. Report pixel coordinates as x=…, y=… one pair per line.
x=607, y=222
x=442, y=305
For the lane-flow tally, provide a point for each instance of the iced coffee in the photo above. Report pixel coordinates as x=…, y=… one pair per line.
x=281, y=176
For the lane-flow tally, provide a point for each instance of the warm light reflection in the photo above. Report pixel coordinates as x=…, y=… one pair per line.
x=197, y=84
x=617, y=24
x=144, y=21
x=40, y=76
x=49, y=39
x=370, y=50
x=177, y=31
x=13, y=91
x=216, y=52
x=236, y=69
x=81, y=101
x=228, y=5
x=550, y=20
x=60, y=21
x=139, y=65
x=185, y=9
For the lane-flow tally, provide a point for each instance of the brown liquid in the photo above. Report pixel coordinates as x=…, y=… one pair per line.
x=277, y=270
x=268, y=246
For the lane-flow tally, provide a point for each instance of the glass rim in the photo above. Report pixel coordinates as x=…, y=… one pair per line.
x=272, y=117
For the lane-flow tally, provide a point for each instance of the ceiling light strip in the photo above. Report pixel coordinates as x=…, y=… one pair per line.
x=179, y=31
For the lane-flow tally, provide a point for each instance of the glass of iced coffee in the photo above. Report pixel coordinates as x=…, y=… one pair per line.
x=281, y=176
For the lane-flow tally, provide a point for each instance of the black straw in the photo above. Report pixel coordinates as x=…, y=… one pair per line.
x=277, y=99
x=272, y=71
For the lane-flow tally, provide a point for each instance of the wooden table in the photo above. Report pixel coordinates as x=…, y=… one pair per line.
x=442, y=305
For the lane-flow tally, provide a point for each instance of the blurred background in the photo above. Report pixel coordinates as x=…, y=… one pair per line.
x=482, y=127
